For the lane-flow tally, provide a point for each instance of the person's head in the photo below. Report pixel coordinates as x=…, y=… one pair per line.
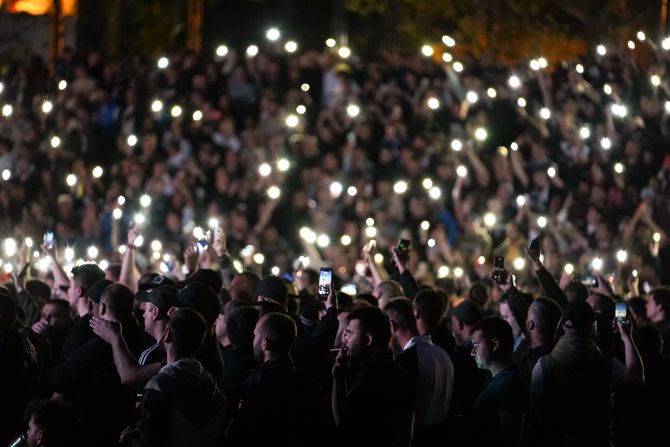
x=579, y=319
x=83, y=277
x=514, y=310
x=272, y=288
x=492, y=342
x=50, y=423
x=225, y=310
x=203, y=299
x=274, y=336
x=184, y=334
x=658, y=304
x=479, y=294
x=576, y=291
x=368, y=331
x=240, y=325
x=57, y=314
x=155, y=306
x=648, y=341
x=244, y=285
x=387, y=290
x=205, y=276
x=428, y=310
x=38, y=290
x=94, y=295
x=8, y=312
x=403, y=323
x=463, y=318
x=116, y=303
x=544, y=316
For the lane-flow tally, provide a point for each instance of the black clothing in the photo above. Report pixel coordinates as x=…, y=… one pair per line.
x=469, y=380
x=209, y=355
x=529, y=359
x=441, y=336
x=237, y=365
x=79, y=335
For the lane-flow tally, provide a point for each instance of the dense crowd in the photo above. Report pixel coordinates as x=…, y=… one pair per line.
x=163, y=223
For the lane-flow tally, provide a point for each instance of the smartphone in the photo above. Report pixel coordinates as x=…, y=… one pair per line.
x=588, y=280
x=202, y=243
x=403, y=249
x=499, y=275
x=621, y=311
x=371, y=245
x=535, y=247
x=49, y=240
x=325, y=278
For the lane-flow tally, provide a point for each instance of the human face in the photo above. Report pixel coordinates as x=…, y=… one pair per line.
x=480, y=350
x=149, y=316
x=356, y=341
x=654, y=310
x=34, y=435
x=507, y=315
x=53, y=318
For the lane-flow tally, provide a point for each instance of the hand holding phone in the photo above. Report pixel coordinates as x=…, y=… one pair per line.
x=325, y=282
x=403, y=250
x=621, y=311
x=535, y=249
x=49, y=240
x=499, y=274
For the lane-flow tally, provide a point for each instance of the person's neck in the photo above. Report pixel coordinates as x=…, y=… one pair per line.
x=404, y=337
x=81, y=306
x=658, y=318
x=224, y=340
x=421, y=326
x=158, y=331
x=271, y=356
x=498, y=365
x=536, y=340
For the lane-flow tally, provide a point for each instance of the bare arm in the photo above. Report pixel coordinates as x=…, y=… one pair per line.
x=127, y=275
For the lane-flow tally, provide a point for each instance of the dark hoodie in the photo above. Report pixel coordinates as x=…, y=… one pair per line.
x=182, y=405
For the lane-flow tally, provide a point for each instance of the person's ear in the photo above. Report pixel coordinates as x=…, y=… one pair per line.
x=167, y=337
x=417, y=314
x=495, y=345
x=89, y=305
x=155, y=313
x=368, y=339
x=530, y=325
x=80, y=291
x=394, y=326
x=102, y=308
x=39, y=436
x=265, y=343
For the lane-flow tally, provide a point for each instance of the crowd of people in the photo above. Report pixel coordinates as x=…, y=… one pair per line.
x=164, y=222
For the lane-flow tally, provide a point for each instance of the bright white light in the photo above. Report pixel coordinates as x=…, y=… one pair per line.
x=273, y=34
x=462, y=171
x=519, y=263
x=657, y=237
x=601, y=50
x=514, y=82
x=543, y=62
x=55, y=141
x=379, y=258
x=655, y=80
x=521, y=102
x=175, y=111
x=352, y=191
x=252, y=50
x=597, y=264
x=433, y=103
x=584, y=133
x=435, y=192
x=122, y=249
x=222, y=51
x=369, y=222
x=667, y=106
x=551, y=172
x=47, y=106
x=145, y=201
x=275, y=270
x=274, y=192
x=431, y=243
x=458, y=67
x=605, y=143
x=29, y=242
x=514, y=146
x=301, y=109
x=345, y=240
x=371, y=232
x=456, y=145
x=163, y=62
x=10, y=246
x=121, y=200
x=68, y=254
x=283, y=165
x=447, y=57
x=71, y=180
x=472, y=97
x=197, y=115
x=9, y=268
x=92, y=252
x=353, y=110
x=619, y=110
x=198, y=233
x=631, y=45
x=489, y=219
x=97, y=172
x=569, y=269
x=292, y=120
x=458, y=272
x=213, y=223
x=491, y=92
x=666, y=43
x=534, y=65
x=621, y=256
x=481, y=260
x=2, y=87
x=448, y=41
x=291, y=46
x=6, y=174
x=304, y=87
x=545, y=113
x=541, y=221
x=481, y=134
x=520, y=200
x=641, y=36
x=344, y=52
x=264, y=169
x=259, y=258
x=619, y=168
x=579, y=68
x=323, y=240
x=425, y=225
x=336, y=189
x=427, y=50
x=140, y=219
x=607, y=89
x=7, y=110
x=330, y=42
x=427, y=183
x=156, y=105
x=400, y=187
x=117, y=213
x=131, y=140
x=443, y=271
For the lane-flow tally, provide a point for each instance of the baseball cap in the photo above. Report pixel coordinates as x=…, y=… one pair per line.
x=274, y=288
x=164, y=297
x=157, y=281
x=94, y=293
x=204, y=276
x=579, y=315
x=201, y=298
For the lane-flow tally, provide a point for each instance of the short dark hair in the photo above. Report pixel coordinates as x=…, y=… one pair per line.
x=60, y=304
x=662, y=297
x=576, y=291
x=430, y=305
x=479, y=294
x=375, y=322
x=55, y=419
x=497, y=328
x=188, y=330
x=85, y=275
x=548, y=316
x=368, y=298
x=8, y=311
x=38, y=289
x=119, y=300
x=240, y=324
x=401, y=311
x=281, y=330
x=267, y=307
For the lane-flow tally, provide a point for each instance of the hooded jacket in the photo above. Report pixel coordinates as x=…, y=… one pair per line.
x=182, y=405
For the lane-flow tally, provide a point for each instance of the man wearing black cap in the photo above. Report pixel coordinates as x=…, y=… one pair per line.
x=273, y=288
x=156, y=305
x=572, y=386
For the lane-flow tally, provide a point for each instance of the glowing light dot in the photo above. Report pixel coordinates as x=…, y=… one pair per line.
x=521, y=102
x=425, y=225
x=427, y=183
x=569, y=269
x=353, y=110
x=352, y=191
x=7, y=110
x=156, y=105
x=71, y=180
x=462, y=171
x=472, y=97
x=448, y=41
x=97, y=172
x=274, y=192
x=491, y=92
x=163, y=63
x=117, y=213
x=55, y=141
x=400, y=187
x=323, y=240
x=145, y=201
x=264, y=169
x=222, y=51
x=545, y=113
x=431, y=243
x=447, y=57
x=92, y=252
x=621, y=256
x=514, y=82
x=435, y=192
x=175, y=111
x=427, y=50
x=345, y=240
x=369, y=222
x=458, y=67
x=47, y=106
x=601, y=50
x=304, y=87
x=605, y=143
x=519, y=263
x=121, y=200
x=283, y=165
x=197, y=115
x=597, y=264
x=541, y=221
x=579, y=68
x=273, y=34
x=344, y=52
x=481, y=134
x=336, y=189
x=520, y=201
x=252, y=50
x=291, y=46
x=489, y=219
x=433, y=103
x=259, y=258
x=292, y=121
x=618, y=168
x=301, y=109
x=330, y=42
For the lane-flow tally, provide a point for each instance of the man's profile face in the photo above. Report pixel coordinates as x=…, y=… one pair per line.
x=653, y=309
x=480, y=350
x=32, y=435
x=54, y=318
x=147, y=315
x=355, y=340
